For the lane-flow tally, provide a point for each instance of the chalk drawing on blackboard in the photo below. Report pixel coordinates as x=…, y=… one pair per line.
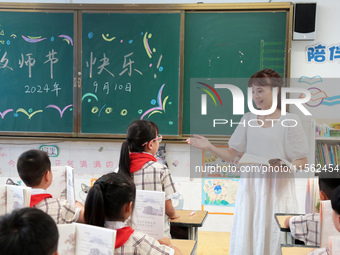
x=160, y=68
x=90, y=35
x=30, y=112
x=146, y=44
x=67, y=39
x=14, y=36
x=124, y=112
x=4, y=62
x=32, y=39
x=5, y=112
x=160, y=107
x=95, y=109
x=89, y=95
x=312, y=80
x=57, y=108
x=128, y=65
x=105, y=37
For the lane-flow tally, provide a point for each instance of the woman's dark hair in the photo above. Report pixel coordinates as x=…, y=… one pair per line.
x=107, y=197
x=138, y=133
x=267, y=77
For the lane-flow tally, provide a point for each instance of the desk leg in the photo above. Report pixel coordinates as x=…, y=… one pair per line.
x=191, y=233
x=195, y=234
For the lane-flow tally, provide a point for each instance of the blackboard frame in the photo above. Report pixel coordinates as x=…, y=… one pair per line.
x=77, y=9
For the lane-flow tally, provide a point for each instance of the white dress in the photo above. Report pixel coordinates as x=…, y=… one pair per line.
x=254, y=230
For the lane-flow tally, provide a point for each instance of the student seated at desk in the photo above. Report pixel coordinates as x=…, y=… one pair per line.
x=109, y=203
x=34, y=168
x=28, y=231
x=306, y=228
x=336, y=220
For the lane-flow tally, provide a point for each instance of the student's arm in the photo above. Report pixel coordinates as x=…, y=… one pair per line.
x=166, y=241
x=170, y=210
x=286, y=223
x=226, y=154
x=81, y=218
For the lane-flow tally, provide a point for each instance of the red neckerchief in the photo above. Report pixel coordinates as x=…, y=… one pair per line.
x=137, y=160
x=38, y=198
x=123, y=234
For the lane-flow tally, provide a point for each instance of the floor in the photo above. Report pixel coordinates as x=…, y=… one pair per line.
x=218, y=240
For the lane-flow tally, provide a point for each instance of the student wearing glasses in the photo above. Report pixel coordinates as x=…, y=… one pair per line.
x=137, y=160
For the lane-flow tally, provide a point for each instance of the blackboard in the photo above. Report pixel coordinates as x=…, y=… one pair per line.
x=227, y=45
x=90, y=70
x=36, y=72
x=130, y=64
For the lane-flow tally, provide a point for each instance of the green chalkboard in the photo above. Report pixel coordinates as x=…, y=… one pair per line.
x=36, y=72
x=227, y=45
x=130, y=64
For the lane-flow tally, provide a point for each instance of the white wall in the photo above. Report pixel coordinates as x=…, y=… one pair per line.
x=327, y=33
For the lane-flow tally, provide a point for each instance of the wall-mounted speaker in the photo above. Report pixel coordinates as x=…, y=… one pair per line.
x=304, y=21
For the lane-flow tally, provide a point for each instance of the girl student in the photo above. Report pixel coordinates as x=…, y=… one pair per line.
x=109, y=203
x=137, y=160
x=260, y=196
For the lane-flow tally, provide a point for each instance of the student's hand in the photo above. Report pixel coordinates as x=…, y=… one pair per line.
x=200, y=142
x=165, y=241
x=286, y=223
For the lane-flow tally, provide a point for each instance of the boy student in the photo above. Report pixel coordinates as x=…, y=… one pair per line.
x=28, y=231
x=34, y=168
x=306, y=227
x=336, y=220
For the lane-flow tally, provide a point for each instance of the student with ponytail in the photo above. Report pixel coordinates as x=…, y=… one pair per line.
x=109, y=203
x=137, y=160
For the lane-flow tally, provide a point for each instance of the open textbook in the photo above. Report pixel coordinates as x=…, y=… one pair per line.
x=253, y=159
x=149, y=212
x=62, y=185
x=83, y=239
x=312, y=195
x=14, y=197
x=327, y=228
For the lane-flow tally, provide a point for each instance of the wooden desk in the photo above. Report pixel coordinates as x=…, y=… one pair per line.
x=280, y=219
x=187, y=247
x=191, y=222
x=297, y=249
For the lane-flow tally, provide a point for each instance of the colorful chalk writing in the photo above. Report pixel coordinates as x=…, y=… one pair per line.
x=130, y=71
x=36, y=70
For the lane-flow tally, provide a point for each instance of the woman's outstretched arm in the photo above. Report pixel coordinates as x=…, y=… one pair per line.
x=226, y=154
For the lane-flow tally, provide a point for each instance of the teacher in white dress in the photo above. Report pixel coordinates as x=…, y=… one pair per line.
x=259, y=196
